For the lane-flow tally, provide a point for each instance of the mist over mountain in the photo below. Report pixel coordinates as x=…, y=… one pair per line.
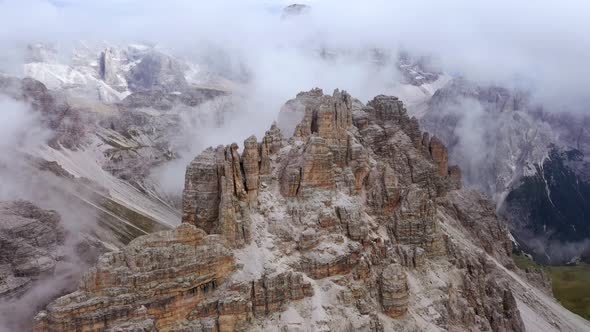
x=349, y=210
x=254, y=38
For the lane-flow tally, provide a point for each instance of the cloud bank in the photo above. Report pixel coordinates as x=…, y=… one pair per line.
x=541, y=46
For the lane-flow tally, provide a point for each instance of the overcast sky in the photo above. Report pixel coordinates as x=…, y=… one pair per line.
x=499, y=40
x=541, y=45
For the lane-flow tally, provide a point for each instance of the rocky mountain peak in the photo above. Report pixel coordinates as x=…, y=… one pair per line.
x=353, y=221
x=295, y=9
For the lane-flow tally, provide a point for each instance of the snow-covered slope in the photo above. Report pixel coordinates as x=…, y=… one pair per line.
x=110, y=73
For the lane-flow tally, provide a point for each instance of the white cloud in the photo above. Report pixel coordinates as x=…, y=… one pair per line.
x=542, y=45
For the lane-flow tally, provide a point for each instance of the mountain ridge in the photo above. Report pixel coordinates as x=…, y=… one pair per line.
x=354, y=222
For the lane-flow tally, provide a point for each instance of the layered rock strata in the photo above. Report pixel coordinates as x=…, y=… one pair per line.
x=220, y=185
x=31, y=245
x=393, y=290
x=161, y=280
x=350, y=224
x=40, y=260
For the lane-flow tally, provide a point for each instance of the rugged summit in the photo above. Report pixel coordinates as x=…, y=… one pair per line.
x=353, y=222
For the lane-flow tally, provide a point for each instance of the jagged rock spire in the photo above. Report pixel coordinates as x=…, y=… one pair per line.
x=341, y=213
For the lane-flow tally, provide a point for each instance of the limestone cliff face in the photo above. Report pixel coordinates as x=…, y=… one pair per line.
x=220, y=185
x=353, y=223
x=31, y=244
x=39, y=258
x=163, y=275
x=161, y=280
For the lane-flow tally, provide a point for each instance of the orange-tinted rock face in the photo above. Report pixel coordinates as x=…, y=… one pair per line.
x=220, y=185
x=316, y=169
x=215, y=196
x=414, y=222
x=455, y=175
x=166, y=278
x=241, y=303
x=251, y=166
x=325, y=133
x=440, y=155
x=394, y=291
x=318, y=265
x=166, y=273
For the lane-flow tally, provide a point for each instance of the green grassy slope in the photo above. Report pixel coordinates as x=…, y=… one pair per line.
x=571, y=284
